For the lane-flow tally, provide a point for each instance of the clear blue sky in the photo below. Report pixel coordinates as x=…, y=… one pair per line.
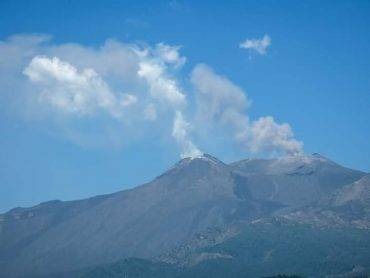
x=314, y=76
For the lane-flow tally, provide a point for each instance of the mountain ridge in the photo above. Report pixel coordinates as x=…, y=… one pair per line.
x=192, y=197
x=203, y=157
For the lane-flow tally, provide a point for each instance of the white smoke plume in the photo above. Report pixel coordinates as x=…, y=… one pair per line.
x=220, y=102
x=125, y=92
x=180, y=132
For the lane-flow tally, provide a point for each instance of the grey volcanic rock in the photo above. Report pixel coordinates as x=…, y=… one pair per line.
x=143, y=222
x=358, y=192
x=170, y=213
x=295, y=180
x=348, y=206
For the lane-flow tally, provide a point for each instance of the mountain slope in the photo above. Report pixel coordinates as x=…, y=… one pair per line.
x=163, y=216
x=143, y=222
x=348, y=206
x=295, y=180
x=261, y=249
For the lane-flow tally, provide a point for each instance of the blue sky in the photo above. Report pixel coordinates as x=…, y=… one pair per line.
x=313, y=76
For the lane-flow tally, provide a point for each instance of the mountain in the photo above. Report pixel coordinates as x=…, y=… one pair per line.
x=294, y=180
x=263, y=249
x=196, y=204
x=348, y=206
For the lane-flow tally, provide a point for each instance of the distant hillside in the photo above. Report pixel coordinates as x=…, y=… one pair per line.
x=264, y=249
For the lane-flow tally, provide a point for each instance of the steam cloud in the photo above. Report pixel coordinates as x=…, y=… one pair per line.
x=222, y=103
x=180, y=132
x=136, y=89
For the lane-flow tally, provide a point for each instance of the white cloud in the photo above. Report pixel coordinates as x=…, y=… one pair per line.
x=223, y=104
x=216, y=93
x=73, y=91
x=122, y=92
x=150, y=112
x=113, y=60
x=155, y=67
x=89, y=86
x=258, y=45
x=268, y=136
x=15, y=53
x=128, y=100
x=180, y=132
x=161, y=87
x=220, y=101
x=170, y=54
